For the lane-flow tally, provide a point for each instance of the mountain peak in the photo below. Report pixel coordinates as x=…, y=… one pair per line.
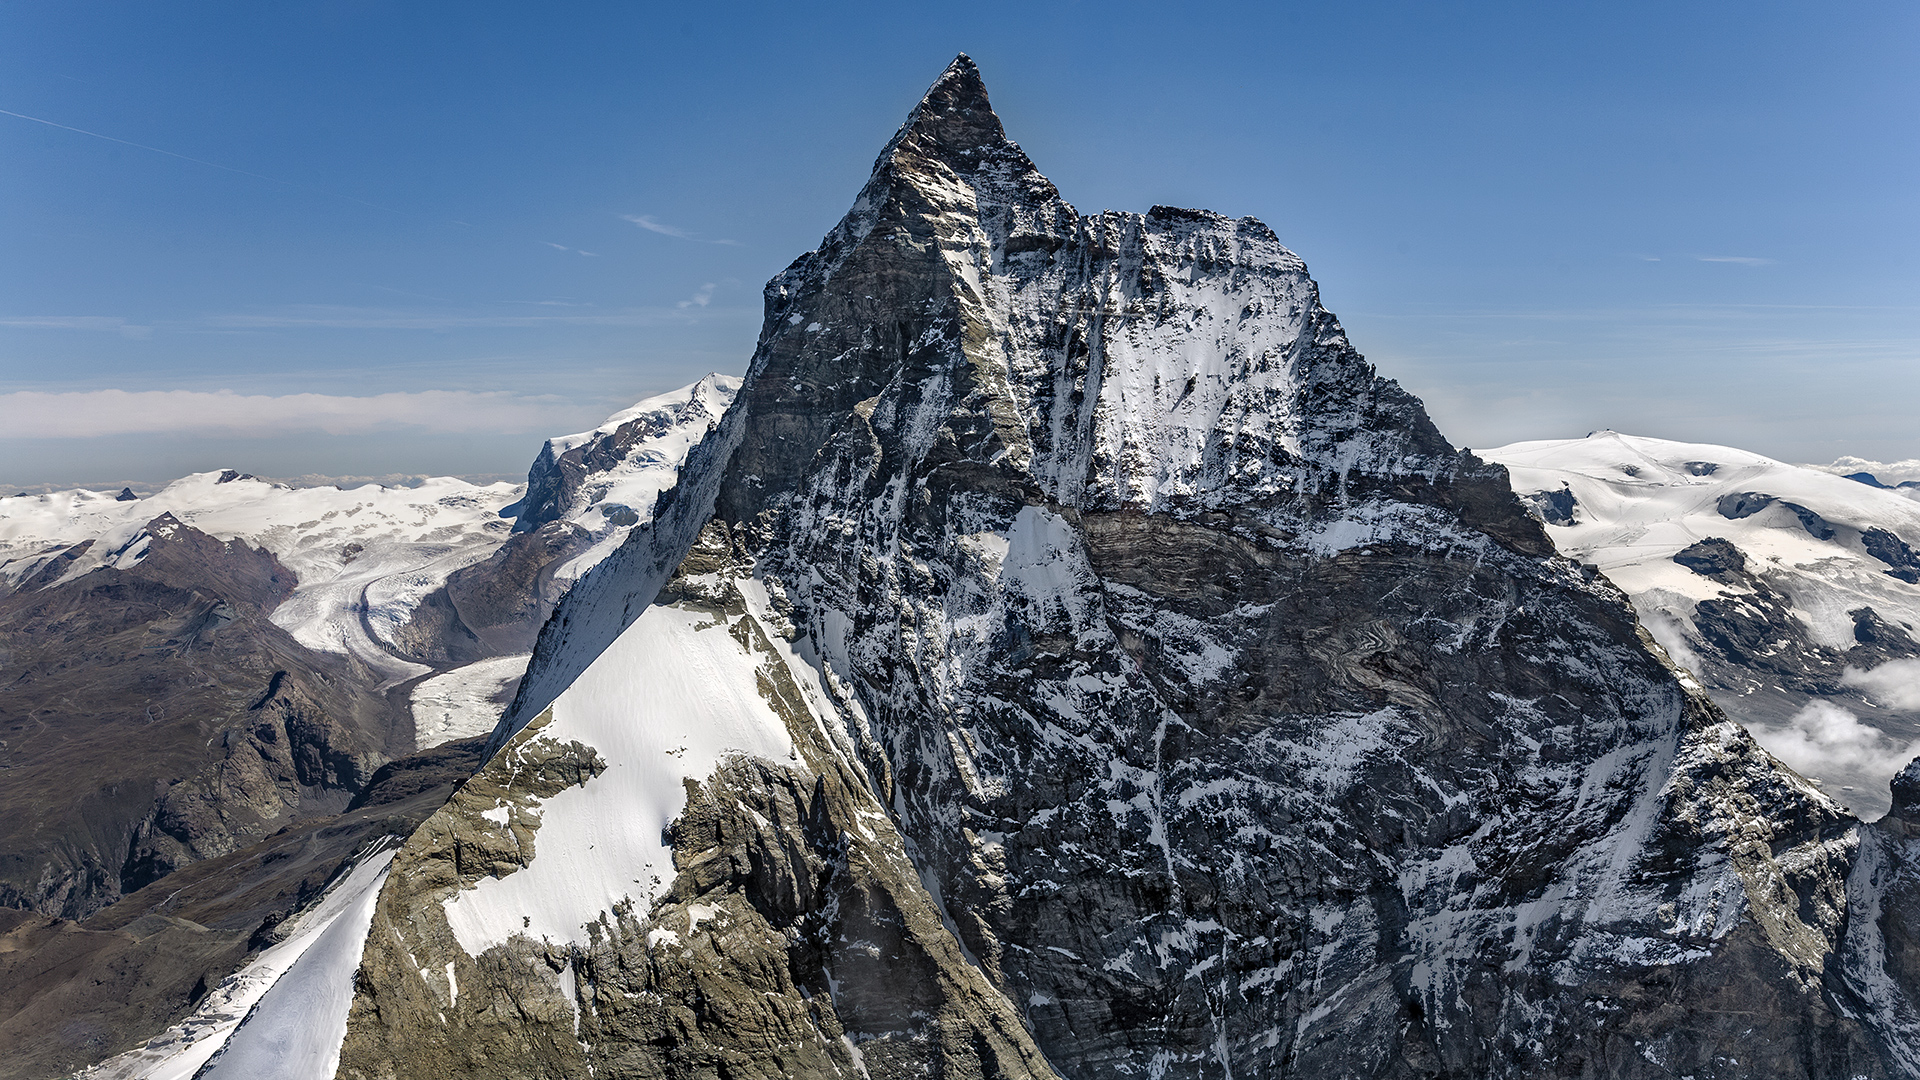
x=955, y=116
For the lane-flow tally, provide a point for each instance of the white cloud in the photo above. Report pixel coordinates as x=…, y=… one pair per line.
x=1895, y=683
x=698, y=299
x=647, y=222
x=1887, y=472
x=79, y=414
x=1825, y=740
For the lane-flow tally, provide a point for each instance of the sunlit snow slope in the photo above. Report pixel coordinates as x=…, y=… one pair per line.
x=1793, y=593
x=282, y=1014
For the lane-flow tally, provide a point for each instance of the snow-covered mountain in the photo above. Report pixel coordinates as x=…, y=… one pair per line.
x=1069, y=657
x=363, y=557
x=1792, y=593
x=190, y=675
x=1066, y=656
x=366, y=558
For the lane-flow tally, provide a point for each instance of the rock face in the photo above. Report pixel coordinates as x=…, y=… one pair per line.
x=1070, y=658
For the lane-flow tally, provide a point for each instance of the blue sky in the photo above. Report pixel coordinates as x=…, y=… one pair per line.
x=503, y=221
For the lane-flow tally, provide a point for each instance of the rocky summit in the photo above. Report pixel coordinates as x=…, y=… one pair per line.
x=1069, y=657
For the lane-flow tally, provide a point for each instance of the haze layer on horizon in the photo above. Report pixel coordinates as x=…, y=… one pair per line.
x=369, y=239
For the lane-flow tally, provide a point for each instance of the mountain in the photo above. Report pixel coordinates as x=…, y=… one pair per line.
x=256, y=683
x=1069, y=657
x=1791, y=593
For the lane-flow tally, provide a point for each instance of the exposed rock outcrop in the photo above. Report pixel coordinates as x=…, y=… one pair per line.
x=1122, y=679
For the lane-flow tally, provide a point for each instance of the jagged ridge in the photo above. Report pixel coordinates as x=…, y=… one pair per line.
x=1164, y=695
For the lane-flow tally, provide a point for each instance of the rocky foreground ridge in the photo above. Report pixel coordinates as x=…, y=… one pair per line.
x=1070, y=658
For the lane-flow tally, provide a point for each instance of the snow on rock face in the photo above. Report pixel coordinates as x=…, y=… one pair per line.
x=1790, y=591
x=607, y=480
x=674, y=696
x=1150, y=661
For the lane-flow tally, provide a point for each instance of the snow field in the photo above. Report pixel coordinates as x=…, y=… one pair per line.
x=669, y=700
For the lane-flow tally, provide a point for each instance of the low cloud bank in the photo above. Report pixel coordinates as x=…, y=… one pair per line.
x=31, y=414
x=1887, y=472
x=1895, y=683
x=1824, y=739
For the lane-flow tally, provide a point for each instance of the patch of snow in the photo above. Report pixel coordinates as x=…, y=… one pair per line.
x=284, y=1014
x=670, y=699
x=466, y=701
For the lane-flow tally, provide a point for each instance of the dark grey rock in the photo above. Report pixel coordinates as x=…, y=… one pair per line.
x=1713, y=557
x=1554, y=507
x=1903, y=561
x=1815, y=525
x=1743, y=504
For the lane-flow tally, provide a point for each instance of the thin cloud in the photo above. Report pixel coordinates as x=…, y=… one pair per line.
x=647, y=222
x=1741, y=260
x=99, y=323
x=556, y=247
x=698, y=299
x=197, y=161
x=29, y=414
x=65, y=322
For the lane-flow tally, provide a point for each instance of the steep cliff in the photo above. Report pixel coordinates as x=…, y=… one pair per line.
x=1069, y=657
